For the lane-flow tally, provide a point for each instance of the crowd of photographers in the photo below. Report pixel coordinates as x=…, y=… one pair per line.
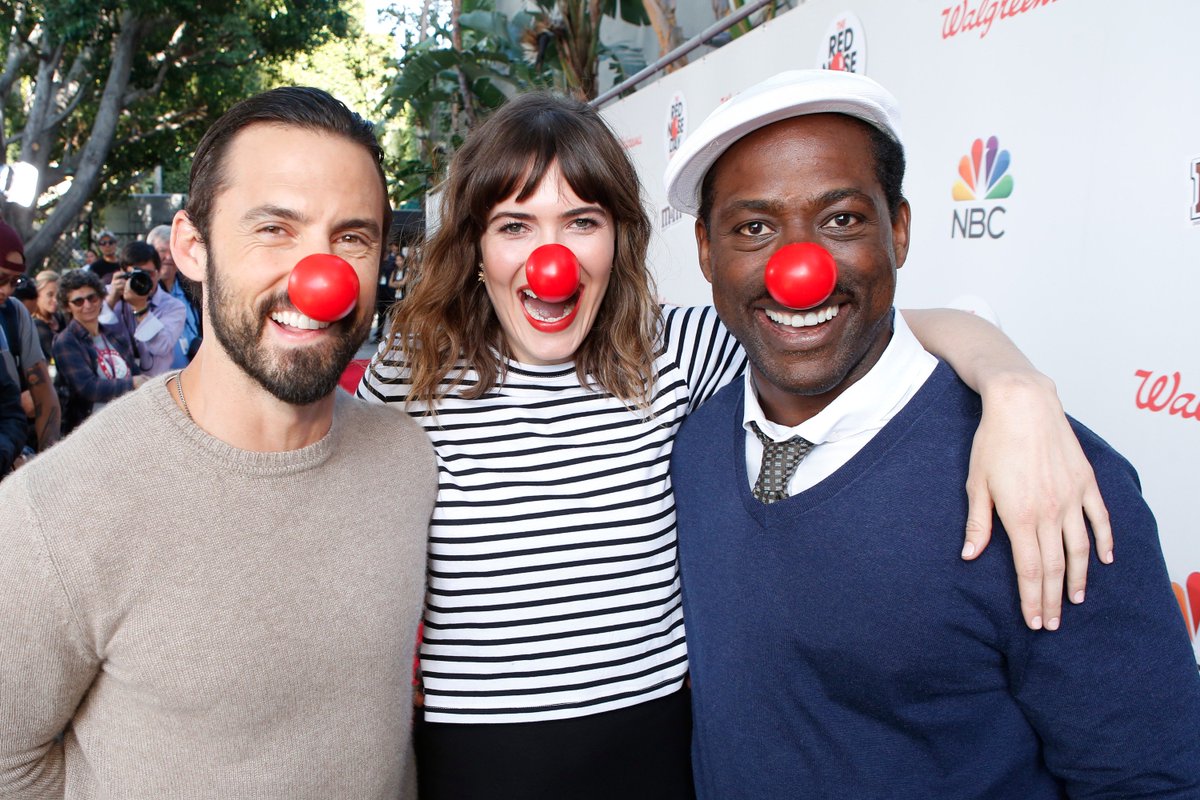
x=71, y=342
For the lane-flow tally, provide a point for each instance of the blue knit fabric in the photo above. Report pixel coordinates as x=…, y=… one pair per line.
x=840, y=648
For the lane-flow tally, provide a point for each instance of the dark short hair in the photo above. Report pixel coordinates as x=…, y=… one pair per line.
x=138, y=253
x=294, y=106
x=889, y=171
x=76, y=279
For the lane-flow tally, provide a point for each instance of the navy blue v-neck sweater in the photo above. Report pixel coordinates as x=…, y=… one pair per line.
x=840, y=647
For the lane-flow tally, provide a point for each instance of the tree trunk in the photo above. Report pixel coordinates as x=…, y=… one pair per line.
x=99, y=143
x=464, y=88
x=662, y=19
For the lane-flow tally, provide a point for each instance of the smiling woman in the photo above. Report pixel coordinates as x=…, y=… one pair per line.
x=95, y=361
x=552, y=214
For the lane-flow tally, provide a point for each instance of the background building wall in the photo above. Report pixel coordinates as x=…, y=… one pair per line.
x=1089, y=263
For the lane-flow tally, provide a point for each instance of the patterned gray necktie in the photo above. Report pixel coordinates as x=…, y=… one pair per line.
x=779, y=463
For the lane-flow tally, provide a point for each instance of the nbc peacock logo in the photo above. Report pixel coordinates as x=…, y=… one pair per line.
x=983, y=178
x=983, y=175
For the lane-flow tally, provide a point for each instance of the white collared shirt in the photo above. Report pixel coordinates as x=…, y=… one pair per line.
x=845, y=426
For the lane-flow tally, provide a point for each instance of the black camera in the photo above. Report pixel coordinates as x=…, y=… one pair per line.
x=24, y=288
x=140, y=282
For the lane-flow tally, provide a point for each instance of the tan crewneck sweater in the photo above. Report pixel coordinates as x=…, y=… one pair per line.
x=207, y=622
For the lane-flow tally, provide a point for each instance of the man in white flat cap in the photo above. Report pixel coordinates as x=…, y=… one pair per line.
x=838, y=647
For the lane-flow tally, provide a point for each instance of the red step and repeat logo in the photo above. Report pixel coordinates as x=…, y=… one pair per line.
x=676, y=129
x=1188, y=596
x=1159, y=393
x=981, y=15
x=844, y=47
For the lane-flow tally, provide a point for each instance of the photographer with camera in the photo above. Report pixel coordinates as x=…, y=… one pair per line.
x=152, y=319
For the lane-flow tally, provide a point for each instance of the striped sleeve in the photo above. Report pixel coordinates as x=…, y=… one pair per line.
x=705, y=351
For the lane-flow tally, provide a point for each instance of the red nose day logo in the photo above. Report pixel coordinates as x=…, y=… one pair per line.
x=844, y=47
x=982, y=175
x=676, y=123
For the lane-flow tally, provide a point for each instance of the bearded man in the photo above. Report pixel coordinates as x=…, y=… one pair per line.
x=244, y=634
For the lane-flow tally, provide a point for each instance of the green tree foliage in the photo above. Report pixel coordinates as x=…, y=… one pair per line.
x=458, y=66
x=96, y=93
x=355, y=69
x=451, y=73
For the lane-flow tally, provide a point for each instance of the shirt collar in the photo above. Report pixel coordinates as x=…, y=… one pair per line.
x=867, y=404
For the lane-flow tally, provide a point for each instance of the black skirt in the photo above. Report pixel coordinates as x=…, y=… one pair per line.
x=643, y=751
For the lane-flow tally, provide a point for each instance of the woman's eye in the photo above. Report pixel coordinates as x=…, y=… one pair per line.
x=511, y=227
x=584, y=223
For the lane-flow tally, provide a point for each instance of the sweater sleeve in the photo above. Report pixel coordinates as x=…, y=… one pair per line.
x=1115, y=694
x=47, y=666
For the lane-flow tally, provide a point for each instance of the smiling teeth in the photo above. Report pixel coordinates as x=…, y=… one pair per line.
x=805, y=320
x=294, y=319
x=536, y=314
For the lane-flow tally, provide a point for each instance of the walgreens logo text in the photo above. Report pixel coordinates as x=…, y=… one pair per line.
x=970, y=15
x=1160, y=393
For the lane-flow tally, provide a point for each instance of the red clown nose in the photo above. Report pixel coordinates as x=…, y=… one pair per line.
x=323, y=287
x=801, y=275
x=553, y=273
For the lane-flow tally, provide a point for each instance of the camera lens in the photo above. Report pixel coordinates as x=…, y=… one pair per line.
x=140, y=282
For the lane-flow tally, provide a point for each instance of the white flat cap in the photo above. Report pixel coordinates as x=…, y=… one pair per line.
x=794, y=93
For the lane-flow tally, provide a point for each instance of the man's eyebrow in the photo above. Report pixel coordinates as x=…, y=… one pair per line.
x=273, y=212
x=836, y=195
x=774, y=207
x=751, y=204
x=367, y=226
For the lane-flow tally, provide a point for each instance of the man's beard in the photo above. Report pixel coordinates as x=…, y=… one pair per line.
x=299, y=376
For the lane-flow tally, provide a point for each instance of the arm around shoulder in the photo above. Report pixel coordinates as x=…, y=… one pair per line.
x=1025, y=462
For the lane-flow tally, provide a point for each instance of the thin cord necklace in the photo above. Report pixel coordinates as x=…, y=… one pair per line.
x=182, y=399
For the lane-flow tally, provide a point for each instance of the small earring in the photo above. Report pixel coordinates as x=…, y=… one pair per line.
x=482, y=278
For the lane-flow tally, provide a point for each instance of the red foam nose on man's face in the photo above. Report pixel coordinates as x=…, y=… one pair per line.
x=553, y=273
x=801, y=275
x=323, y=287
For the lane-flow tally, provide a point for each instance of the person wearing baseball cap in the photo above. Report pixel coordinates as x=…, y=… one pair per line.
x=20, y=351
x=107, y=264
x=836, y=648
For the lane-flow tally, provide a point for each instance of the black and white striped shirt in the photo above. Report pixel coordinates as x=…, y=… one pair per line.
x=553, y=582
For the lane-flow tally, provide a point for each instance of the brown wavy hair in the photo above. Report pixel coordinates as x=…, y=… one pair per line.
x=448, y=318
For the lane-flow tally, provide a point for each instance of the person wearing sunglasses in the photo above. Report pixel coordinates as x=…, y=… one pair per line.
x=95, y=361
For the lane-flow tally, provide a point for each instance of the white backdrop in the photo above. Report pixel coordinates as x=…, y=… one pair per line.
x=1089, y=263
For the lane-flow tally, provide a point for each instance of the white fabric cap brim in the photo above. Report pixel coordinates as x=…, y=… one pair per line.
x=789, y=94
